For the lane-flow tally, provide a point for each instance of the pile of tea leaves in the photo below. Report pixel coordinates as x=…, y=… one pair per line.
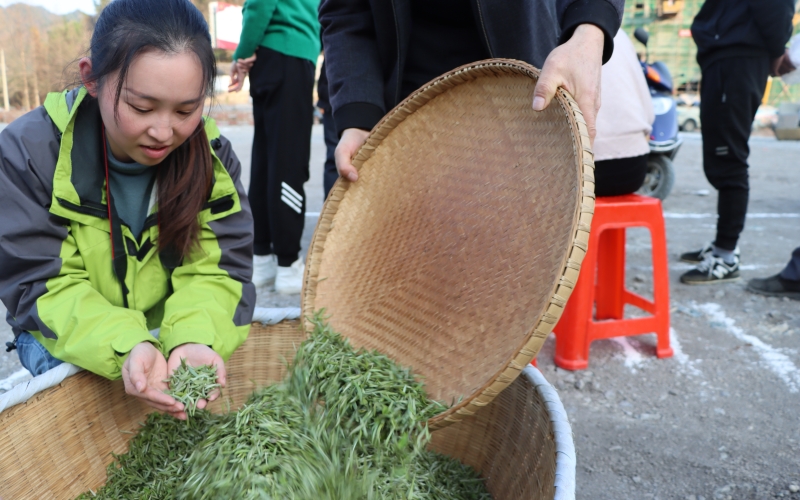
x=189, y=384
x=343, y=424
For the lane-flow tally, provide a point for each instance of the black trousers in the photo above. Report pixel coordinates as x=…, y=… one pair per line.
x=283, y=114
x=619, y=176
x=792, y=269
x=730, y=94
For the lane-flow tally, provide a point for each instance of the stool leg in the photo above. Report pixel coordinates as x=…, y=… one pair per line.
x=661, y=285
x=609, y=296
x=572, y=343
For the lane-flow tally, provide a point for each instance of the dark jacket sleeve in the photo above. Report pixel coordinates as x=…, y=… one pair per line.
x=773, y=18
x=28, y=155
x=605, y=14
x=355, y=78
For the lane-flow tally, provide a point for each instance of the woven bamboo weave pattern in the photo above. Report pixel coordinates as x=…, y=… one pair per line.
x=509, y=442
x=58, y=444
x=459, y=245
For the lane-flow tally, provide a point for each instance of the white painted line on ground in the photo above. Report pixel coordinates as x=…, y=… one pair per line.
x=15, y=378
x=683, y=266
x=312, y=214
x=674, y=215
x=632, y=358
x=778, y=362
x=680, y=356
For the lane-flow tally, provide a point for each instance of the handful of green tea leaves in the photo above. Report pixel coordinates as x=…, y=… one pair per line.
x=343, y=424
x=189, y=384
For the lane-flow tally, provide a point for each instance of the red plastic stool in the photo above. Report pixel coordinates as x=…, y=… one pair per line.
x=601, y=283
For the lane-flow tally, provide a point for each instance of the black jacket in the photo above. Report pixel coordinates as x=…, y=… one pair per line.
x=366, y=42
x=742, y=28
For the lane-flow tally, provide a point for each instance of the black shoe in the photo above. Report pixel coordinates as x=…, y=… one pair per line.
x=775, y=286
x=712, y=270
x=698, y=256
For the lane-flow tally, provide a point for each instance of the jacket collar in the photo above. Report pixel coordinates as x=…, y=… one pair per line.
x=79, y=179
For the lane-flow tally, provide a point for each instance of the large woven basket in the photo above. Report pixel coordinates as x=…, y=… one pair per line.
x=456, y=250
x=58, y=444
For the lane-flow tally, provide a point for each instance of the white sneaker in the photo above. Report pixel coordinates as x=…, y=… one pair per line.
x=289, y=280
x=265, y=267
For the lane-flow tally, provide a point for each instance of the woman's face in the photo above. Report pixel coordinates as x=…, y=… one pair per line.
x=160, y=106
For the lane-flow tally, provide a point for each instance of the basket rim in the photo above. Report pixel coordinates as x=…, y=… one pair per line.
x=573, y=256
x=566, y=457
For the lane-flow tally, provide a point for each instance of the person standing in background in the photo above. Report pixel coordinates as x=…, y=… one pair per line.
x=739, y=44
x=624, y=123
x=784, y=284
x=279, y=46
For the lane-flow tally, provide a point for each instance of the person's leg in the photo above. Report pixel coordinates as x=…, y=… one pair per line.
x=792, y=270
x=33, y=356
x=619, y=176
x=262, y=85
x=331, y=140
x=730, y=95
x=738, y=85
x=264, y=78
x=784, y=284
x=290, y=121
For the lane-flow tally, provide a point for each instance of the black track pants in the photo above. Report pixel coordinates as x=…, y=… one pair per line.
x=281, y=87
x=730, y=94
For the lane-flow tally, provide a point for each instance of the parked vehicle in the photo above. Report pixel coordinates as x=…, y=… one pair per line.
x=664, y=140
x=688, y=118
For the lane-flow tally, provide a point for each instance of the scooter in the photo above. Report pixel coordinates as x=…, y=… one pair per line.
x=664, y=140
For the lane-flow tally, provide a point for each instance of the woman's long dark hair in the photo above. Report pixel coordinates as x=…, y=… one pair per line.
x=127, y=29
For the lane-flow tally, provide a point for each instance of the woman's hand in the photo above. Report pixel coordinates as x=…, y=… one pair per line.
x=197, y=355
x=144, y=373
x=239, y=70
x=351, y=141
x=576, y=66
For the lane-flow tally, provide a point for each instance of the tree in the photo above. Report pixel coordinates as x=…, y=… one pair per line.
x=99, y=5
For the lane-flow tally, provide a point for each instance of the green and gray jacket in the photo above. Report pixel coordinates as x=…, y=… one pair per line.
x=57, y=279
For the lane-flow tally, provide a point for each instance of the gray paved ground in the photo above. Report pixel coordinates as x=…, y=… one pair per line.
x=721, y=419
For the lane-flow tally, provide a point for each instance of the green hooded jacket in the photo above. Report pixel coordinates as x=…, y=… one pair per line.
x=57, y=276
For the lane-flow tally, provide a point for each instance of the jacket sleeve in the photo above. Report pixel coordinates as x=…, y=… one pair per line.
x=773, y=19
x=257, y=15
x=605, y=14
x=214, y=298
x=43, y=280
x=353, y=66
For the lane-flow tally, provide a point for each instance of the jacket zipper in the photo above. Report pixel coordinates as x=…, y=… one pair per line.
x=397, y=38
x=483, y=29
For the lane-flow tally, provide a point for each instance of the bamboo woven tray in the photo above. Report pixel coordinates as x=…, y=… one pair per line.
x=458, y=247
x=59, y=443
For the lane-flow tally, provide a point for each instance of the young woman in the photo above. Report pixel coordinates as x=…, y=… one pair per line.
x=121, y=211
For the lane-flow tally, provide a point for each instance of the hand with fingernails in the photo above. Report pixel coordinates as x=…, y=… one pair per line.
x=574, y=66
x=145, y=372
x=239, y=70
